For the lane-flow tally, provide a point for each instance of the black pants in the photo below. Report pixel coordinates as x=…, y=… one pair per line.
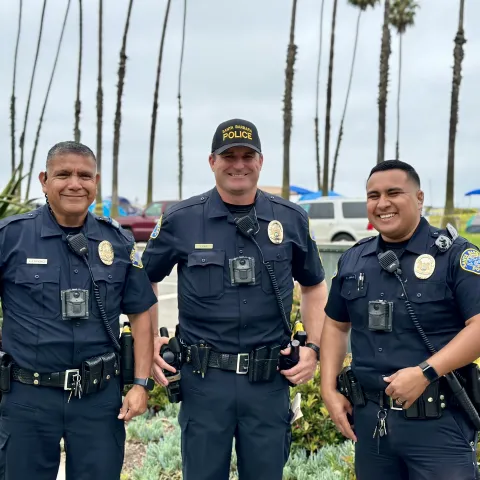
x=440, y=449
x=34, y=419
x=223, y=406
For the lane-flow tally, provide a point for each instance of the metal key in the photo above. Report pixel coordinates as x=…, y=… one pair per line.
x=382, y=422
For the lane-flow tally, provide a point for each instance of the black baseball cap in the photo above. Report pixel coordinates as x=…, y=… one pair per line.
x=236, y=133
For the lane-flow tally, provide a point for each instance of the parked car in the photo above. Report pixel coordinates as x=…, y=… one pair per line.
x=335, y=219
x=142, y=225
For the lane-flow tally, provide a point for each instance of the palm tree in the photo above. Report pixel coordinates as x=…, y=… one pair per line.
x=362, y=6
x=457, y=78
x=40, y=121
x=402, y=16
x=122, y=67
x=287, y=101
x=78, y=104
x=383, y=84
x=329, y=103
x=12, y=98
x=180, y=121
x=155, y=108
x=24, y=131
x=98, y=202
x=317, y=139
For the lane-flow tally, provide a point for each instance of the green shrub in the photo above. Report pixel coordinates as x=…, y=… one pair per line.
x=158, y=399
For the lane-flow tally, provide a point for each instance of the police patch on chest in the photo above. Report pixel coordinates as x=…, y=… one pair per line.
x=470, y=261
x=275, y=232
x=105, y=252
x=424, y=266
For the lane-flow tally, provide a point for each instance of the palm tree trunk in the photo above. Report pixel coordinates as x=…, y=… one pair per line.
x=457, y=78
x=317, y=135
x=180, y=121
x=78, y=104
x=122, y=67
x=12, y=99
x=155, y=108
x=329, y=103
x=40, y=121
x=383, y=84
x=397, y=146
x=287, y=108
x=340, y=131
x=32, y=79
x=98, y=202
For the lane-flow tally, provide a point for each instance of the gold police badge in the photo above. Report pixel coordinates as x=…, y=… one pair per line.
x=275, y=231
x=424, y=266
x=105, y=252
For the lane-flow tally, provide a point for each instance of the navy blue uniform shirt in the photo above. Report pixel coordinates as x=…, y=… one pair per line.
x=36, y=264
x=442, y=303
x=199, y=236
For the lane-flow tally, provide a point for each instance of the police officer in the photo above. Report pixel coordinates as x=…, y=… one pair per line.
x=230, y=321
x=64, y=380
x=407, y=422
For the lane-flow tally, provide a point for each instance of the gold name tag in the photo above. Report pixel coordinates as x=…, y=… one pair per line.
x=37, y=261
x=204, y=246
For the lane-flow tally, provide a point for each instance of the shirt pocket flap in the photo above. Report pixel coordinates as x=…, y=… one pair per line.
x=276, y=253
x=37, y=274
x=111, y=274
x=210, y=257
x=351, y=291
x=426, y=292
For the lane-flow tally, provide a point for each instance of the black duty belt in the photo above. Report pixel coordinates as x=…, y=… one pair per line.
x=66, y=380
x=386, y=400
x=234, y=362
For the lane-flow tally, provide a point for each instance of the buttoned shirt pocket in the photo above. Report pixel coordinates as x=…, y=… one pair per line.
x=205, y=273
x=110, y=281
x=37, y=289
x=280, y=259
x=357, y=302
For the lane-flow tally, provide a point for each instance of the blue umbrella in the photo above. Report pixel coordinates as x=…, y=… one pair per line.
x=473, y=192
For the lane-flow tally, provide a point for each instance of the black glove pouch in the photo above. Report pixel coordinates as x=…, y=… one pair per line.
x=91, y=375
x=110, y=369
x=263, y=363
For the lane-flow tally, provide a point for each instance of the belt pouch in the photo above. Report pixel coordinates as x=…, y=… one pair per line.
x=431, y=400
x=5, y=372
x=257, y=363
x=91, y=374
x=109, y=361
x=471, y=372
x=271, y=364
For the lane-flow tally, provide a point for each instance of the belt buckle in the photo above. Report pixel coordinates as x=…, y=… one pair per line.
x=393, y=403
x=244, y=368
x=74, y=371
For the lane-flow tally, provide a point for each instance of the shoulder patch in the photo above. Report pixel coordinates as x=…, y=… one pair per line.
x=470, y=261
x=21, y=216
x=156, y=230
x=135, y=257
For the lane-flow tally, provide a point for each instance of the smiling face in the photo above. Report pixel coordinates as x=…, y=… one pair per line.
x=236, y=173
x=394, y=204
x=71, y=185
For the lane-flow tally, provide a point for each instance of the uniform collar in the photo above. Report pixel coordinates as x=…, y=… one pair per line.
x=219, y=209
x=417, y=244
x=50, y=227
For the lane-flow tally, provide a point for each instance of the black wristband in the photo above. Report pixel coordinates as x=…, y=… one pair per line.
x=315, y=348
x=146, y=383
x=429, y=372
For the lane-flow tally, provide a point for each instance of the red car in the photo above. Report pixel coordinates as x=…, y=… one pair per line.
x=142, y=225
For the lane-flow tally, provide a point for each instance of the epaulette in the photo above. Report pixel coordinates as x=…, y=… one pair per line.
x=20, y=216
x=364, y=240
x=285, y=203
x=189, y=202
x=113, y=223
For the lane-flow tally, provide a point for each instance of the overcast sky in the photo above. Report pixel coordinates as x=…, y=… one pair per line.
x=234, y=67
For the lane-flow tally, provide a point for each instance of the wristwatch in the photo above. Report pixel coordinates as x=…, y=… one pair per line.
x=429, y=372
x=315, y=348
x=146, y=383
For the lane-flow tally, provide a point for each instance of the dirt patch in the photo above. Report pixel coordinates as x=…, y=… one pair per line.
x=134, y=454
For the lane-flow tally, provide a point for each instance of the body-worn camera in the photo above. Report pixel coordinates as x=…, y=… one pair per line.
x=380, y=315
x=74, y=304
x=172, y=354
x=242, y=270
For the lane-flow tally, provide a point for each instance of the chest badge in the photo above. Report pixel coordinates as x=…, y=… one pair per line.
x=105, y=252
x=424, y=266
x=275, y=232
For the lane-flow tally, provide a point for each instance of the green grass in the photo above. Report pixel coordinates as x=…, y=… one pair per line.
x=472, y=238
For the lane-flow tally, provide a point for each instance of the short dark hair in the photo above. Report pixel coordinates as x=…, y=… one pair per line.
x=397, y=165
x=64, y=148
